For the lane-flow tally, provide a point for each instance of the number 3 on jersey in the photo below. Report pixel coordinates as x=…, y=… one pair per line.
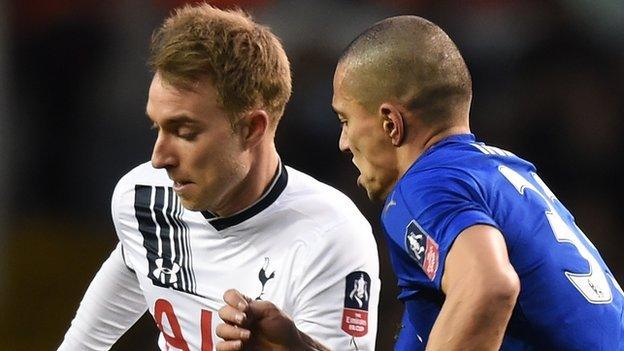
x=593, y=285
x=163, y=308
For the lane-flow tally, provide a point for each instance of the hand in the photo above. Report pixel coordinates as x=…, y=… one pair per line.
x=257, y=325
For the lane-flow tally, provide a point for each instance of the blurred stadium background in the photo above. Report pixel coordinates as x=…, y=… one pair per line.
x=548, y=78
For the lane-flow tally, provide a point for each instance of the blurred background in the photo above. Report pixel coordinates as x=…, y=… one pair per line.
x=548, y=81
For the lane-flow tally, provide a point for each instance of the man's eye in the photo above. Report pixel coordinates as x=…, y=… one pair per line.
x=186, y=134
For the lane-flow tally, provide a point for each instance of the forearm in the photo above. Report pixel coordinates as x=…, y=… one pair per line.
x=111, y=305
x=474, y=323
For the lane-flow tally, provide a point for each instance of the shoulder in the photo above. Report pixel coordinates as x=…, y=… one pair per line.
x=335, y=239
x=317, y=199
x=468, y=170
x=336, y=220
x=437, y=197
x=319, y=202
x=419, y=188
x=143, y=174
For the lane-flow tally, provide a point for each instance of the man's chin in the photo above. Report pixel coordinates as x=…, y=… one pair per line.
x=373, y=194
x=376, y=197
x=190, y=205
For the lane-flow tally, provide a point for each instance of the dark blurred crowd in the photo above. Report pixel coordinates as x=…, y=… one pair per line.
x=548, y=77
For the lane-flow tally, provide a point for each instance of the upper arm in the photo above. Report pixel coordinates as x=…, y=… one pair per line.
x=479, y=259
x=122, y=212
x=111, y=305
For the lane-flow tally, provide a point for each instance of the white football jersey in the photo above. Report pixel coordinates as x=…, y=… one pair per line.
x=303, y=246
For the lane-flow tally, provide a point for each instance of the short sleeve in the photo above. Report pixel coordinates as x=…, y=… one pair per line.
x=111, y=305
x=117, y=198
x=441, y=204
x=337, y=293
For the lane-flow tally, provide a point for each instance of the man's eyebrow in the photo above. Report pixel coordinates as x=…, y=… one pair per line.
x=178, y=119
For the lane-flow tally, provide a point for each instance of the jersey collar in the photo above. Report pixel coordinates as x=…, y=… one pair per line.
x=270, y=195
x=455, y=138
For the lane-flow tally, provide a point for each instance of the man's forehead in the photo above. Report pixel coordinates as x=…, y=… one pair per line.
x=163, y=98
x=339, y=86
x=172, y=100
x=338, y=102
x=341, y=101
x=180, y=88
x=340, y=75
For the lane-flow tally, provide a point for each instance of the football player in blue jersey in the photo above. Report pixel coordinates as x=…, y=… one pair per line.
x=486, y=256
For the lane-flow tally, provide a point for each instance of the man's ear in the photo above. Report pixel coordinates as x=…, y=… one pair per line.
x=393, y=122
x=254, y=126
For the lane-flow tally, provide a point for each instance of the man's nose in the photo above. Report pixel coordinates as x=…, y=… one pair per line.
x=163, y=155
x=343, y=143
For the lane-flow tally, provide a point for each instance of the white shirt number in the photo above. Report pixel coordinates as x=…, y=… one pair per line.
x=593, y=285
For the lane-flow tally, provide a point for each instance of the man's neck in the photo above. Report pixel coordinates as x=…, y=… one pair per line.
x=250, y=189
x=415, y=149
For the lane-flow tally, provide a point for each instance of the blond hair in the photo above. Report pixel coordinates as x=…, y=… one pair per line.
x=244, y=61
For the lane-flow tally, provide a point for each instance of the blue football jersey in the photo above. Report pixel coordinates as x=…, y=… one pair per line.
x=569, y=300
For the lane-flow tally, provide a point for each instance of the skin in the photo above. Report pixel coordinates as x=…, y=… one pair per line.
x=479, y=282
x=479, y=301
x=384, y=144
x=259, y=325
x=379, y=141
x=222, y=168
x=213, y=165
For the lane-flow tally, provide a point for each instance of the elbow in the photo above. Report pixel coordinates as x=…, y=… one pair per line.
x=496, y=289
x=503, y=290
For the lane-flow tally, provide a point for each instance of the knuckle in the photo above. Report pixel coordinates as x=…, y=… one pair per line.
x=229, y=293
x=224, y=313
x=220, y=329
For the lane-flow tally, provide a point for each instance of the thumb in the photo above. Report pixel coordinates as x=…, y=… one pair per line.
x=258, y=309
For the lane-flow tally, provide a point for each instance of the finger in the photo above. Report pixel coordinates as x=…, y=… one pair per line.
x=230, y=345
x=261, y=309
x=272, y=319
x=236, y=299
x=231, y=332
x=232, y=315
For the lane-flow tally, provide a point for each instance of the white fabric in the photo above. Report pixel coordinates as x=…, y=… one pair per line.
x=112, y=304
x=311, y=237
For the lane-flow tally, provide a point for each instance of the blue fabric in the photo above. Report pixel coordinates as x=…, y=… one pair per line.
x=459, y=183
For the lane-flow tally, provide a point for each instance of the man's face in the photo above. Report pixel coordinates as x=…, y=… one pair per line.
x=363, y=136
x=195, y=143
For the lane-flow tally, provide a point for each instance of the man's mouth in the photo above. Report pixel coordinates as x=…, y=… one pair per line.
x=180, y=185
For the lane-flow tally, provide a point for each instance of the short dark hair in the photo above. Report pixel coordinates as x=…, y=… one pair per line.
x=410, y=59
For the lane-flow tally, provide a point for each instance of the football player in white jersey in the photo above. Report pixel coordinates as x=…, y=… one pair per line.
x=216, y=209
